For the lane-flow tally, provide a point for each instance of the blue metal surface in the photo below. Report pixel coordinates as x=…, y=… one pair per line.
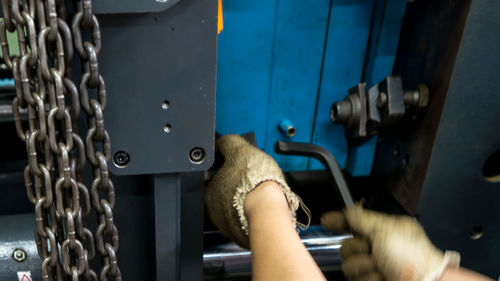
x=343, y=68
x=269, y=60
x=296, y=63
x=6, y=82
x=291, y=60
x=244, y=67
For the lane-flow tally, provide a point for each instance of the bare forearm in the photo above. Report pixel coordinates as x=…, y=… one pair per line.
x=277, y=252
x=461, y=274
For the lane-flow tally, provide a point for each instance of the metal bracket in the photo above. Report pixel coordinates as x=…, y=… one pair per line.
x=161, y=112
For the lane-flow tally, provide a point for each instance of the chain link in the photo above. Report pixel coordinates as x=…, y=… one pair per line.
x=97, y=142
x=57, y=155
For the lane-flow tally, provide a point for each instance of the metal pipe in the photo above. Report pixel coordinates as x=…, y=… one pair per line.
x=6, y=112
x=229, y=261
x=5, y=109
x=287, y=128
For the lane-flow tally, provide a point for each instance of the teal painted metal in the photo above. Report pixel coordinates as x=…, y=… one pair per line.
x=291, y=60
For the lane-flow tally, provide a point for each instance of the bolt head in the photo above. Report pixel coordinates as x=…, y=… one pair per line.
x=121, y=159
x=19, y=255
x=341, y=112
x=197, y=155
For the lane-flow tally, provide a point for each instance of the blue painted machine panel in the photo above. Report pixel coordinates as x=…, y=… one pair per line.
x=345, y=51
x=291, y=59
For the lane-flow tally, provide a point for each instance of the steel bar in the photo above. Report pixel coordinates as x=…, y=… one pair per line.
x=228, y=261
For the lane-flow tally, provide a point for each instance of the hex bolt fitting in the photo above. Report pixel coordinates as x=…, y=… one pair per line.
x=287, y=128
x=121, y=159
x=19, y=255
x=417, y=98
x=341, y=112
x=197, y=155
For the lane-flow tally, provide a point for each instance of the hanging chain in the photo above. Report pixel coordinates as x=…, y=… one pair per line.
x=97, y=142
x=56, y=153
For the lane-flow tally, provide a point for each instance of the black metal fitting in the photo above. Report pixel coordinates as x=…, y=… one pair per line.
x=197, y=155
x=351, y=112
x=19, y=255
x=121, y=159
x=363, y=112
x=417, y=99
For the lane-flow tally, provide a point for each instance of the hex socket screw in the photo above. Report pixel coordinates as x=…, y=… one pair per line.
x=197, y=155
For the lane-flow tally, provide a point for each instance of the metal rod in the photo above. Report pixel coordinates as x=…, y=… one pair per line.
x=228, y=261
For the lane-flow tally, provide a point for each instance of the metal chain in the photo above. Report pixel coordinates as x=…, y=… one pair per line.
x=97, y=142
x=56, y=153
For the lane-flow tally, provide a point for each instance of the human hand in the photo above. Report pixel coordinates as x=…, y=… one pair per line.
x=387, y=247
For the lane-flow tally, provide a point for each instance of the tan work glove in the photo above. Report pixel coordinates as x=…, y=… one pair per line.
x=394, y=248
x=245, y=167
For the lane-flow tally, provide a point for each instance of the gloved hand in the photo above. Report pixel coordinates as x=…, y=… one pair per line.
x=394, y=248
x=245, y=167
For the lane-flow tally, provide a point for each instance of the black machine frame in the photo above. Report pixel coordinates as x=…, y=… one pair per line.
x=430, y=162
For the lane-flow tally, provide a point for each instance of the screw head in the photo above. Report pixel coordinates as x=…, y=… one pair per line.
x=197, y=155
x=121, y=159
x=167, y=128
x=165, y=104
x=19, y=255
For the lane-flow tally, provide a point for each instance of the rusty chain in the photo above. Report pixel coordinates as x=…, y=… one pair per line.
x=56, y=154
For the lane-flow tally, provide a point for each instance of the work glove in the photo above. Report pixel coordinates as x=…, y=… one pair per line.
x=394, y=248
x=245, y=167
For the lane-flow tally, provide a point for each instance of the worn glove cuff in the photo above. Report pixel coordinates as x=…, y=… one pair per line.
x=451, y=259
x=243, y=190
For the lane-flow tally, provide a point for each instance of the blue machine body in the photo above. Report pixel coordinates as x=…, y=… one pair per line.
x=292, y=59
x=6, y=82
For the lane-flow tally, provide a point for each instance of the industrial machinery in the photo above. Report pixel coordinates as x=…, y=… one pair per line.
x=108, y=118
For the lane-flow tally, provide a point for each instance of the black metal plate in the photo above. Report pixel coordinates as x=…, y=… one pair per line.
x=147, y=59
x=452, y=46
x=456, y=197
x=17, y=233
x=128, y=6
x=131, y=6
